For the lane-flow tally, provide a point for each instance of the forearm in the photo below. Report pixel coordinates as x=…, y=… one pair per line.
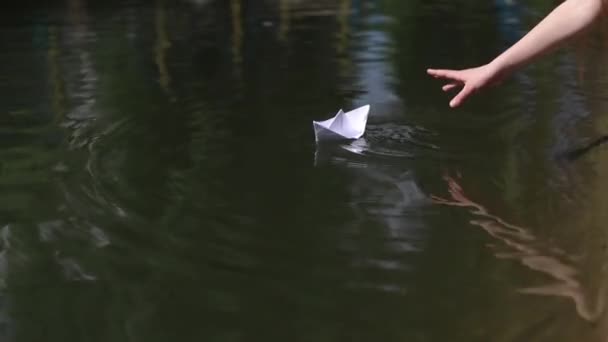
x=567, y=20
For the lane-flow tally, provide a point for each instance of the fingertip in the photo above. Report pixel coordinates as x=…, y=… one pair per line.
x=449, y=87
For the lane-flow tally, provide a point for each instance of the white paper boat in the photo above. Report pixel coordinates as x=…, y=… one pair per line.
x=349, y=125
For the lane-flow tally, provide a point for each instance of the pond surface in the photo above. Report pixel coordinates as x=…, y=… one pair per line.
x=159, y=178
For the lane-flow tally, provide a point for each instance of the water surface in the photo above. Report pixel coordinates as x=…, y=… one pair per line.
x=159, y=179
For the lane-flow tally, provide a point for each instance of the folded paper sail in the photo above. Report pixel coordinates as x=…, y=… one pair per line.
x=350, y=125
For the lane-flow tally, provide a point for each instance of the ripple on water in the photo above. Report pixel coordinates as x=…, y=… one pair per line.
x=384, y=143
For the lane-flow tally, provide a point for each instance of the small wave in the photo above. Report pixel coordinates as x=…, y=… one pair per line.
x=384, y=141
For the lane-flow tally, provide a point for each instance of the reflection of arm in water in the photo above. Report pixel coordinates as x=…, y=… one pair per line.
x=520, y=244
x=567, y=20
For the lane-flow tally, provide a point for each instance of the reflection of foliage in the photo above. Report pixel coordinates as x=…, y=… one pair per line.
x=162, y=45
x=237, y=35
x=55, y=75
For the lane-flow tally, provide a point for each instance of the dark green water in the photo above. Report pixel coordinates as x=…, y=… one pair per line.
x=159, y=179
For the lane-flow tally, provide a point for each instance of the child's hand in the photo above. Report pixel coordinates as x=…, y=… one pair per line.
x=569, y=19
x=471, y=81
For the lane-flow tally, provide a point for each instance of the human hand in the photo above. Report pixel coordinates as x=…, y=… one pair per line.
x=471, y=80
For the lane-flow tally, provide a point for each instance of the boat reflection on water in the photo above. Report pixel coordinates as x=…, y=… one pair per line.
x=387, y=232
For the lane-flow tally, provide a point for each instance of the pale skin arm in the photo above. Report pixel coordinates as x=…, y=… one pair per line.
x=569, y=19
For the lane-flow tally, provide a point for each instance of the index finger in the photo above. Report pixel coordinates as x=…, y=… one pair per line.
x=444, y=73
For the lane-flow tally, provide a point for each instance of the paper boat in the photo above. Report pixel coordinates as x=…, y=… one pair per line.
x=350, y=125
